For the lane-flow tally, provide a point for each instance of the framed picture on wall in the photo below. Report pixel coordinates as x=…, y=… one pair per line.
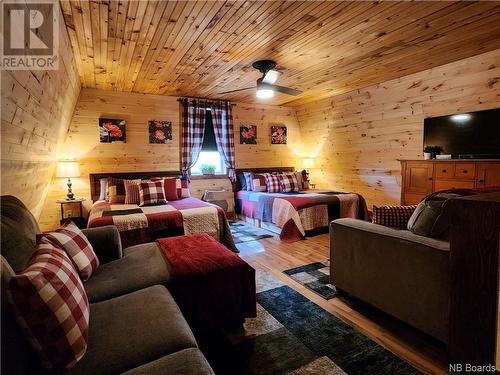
x=112, y=130
x=160, y=132
x=248, y=134
x=278, y=135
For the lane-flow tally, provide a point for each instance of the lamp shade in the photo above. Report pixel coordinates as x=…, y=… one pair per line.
x=68, y=169
x=307, y=163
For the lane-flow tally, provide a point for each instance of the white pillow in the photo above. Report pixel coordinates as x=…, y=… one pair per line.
x=103, y=192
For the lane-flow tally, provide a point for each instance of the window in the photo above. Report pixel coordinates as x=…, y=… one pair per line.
x=209, y=153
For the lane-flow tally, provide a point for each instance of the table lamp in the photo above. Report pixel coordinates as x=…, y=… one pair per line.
x=68, y=169
x=307, y=163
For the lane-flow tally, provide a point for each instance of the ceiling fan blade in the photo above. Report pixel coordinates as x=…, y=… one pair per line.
x=271, y=76
x=284, y=90
x=229, y=92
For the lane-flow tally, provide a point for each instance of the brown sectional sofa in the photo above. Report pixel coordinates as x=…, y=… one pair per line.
x=400, y=273
x=136, y=326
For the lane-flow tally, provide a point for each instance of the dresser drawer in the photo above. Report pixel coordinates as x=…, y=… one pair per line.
x=465, y=171
x=444, y=170
x=452, y=184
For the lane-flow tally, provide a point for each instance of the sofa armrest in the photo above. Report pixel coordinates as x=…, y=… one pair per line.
x=106, y=242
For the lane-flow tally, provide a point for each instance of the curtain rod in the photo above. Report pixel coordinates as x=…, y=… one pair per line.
x=206, y=100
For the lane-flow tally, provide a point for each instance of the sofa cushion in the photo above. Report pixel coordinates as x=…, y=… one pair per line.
x=141, y=266
x=71, y=239
x=51, y=306
x=19, y=229
x=186, y=362
x=131, y=330
x=392, y=216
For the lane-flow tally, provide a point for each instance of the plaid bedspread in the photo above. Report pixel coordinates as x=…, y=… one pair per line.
x=145, y=224
x=300, y=214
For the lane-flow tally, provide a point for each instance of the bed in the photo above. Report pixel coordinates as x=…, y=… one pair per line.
x=145, y=224
x=296, y=215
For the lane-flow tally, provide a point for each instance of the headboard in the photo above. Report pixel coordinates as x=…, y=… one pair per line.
x=236, y=184
x=95, y=185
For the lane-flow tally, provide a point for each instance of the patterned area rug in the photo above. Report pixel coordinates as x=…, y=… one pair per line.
x=316, y=277
x=244, y=233
x=292, y=335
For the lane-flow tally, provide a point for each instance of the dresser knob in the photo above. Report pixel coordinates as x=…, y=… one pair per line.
x=465, y=171
x=444, y=171
x=480, y=181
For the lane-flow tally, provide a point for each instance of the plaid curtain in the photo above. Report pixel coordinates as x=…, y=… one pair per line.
x=193, y=128
x=222, y=117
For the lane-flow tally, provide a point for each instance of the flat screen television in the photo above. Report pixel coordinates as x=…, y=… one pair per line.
x=465, y=135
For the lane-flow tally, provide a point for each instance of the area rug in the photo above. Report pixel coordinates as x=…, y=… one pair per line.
x=292, y=335
x=316, y=277
x=244, y=233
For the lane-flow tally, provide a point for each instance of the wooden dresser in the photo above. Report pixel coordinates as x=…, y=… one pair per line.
x=422, y=177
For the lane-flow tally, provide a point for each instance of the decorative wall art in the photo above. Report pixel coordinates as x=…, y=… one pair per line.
x=112, y=130
x=248, y=135
x=160, y=132
x=278, y=135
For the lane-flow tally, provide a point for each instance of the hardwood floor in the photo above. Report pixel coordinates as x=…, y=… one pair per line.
x=274, y=256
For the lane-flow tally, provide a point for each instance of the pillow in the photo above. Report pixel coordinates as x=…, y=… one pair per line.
x=258, y=181
x=288, y=182
x=151, y=193
x=131, y=191
x=170, y=186
x=432, y=217
x=248, y=180
x=242, y=181
x=182, y=188
x=103, y=190
x=72, y=240
x=51, y=306
x=272, y=183
x=116, y=190
x=393, y=216
x=300, y=179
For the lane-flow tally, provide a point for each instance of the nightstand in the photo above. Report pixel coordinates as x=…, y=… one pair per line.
x=71, y=208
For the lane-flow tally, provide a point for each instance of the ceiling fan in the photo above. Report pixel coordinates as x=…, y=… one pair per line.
x=265, y=85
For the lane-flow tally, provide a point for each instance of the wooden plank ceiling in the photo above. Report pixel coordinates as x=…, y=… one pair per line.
x=203, y=48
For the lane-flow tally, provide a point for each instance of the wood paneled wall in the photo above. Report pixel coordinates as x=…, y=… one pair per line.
x=36, y=111
x=356, y=138
x=137, y=154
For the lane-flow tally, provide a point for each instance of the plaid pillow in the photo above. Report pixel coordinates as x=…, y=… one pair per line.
x=72, y=240
x=393, y=216
x=151, y=193
x=272, y=183
x=116, y=190
x=131, y=191
x=50, y=304
x=183, y=188
x=288, y=182
x=258, y=181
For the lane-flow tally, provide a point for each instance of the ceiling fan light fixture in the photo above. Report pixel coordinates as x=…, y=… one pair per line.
x=264, y=93
x=271, y=77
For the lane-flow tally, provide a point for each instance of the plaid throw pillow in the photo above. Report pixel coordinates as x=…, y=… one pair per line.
x=131, y=191
x=288, y=182
x=72, y=240
x=258, y=182
x=183, y=188
x=116, y=190
x=393, y=216
x=151, y=193
x=50, y=304
x=272, y=183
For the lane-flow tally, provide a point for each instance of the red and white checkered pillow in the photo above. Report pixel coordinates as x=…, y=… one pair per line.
x=258, y=182
x=392, y=216
x=288, y=182
x=72, y=240
x=151, y=193
x=131, y=191
x=51, y=306
x=183, y=188
x=273, y=183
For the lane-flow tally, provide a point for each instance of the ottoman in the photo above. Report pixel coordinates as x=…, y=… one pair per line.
x=212, y=285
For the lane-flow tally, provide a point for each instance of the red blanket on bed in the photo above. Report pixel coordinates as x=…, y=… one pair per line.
x=213, y=286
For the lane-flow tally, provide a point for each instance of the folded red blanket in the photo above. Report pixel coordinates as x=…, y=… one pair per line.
x=213, y=286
